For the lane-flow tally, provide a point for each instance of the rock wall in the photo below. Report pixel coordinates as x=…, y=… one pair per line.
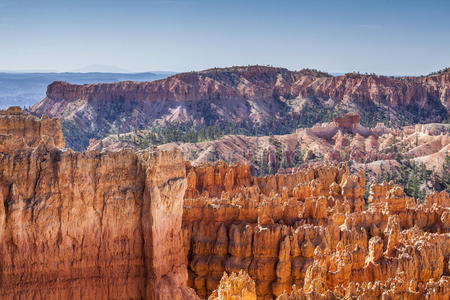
x=91, y=225
x=310, y=232
x=21, y=130
x=262, y=83
x=349, y=121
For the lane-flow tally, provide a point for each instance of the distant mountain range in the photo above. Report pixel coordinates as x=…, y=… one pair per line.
x=102, y=69
x=252, y=100
x=25, y=89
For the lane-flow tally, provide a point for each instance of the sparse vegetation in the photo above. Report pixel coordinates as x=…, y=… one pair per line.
x=445, y=70
x=444, y=179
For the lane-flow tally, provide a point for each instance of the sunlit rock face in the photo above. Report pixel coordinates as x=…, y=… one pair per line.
x=149, y=225
x=19, y=130
x=235, y=286
x=376, y=150
x=88, y=225
x=244, y=97
x=308, y=235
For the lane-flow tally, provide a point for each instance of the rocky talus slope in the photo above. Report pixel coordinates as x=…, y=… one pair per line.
x=309, y=235
x=250, y=100
x=88, y=225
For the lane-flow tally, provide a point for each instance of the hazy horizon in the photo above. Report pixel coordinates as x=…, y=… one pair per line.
x=382, y=37
x=82, y=71
x=170, y=73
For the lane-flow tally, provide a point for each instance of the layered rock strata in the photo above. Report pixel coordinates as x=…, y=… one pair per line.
x=265, y=99
x=89, y=225
x=310, y=234
x=20, y=130
x=263, y=83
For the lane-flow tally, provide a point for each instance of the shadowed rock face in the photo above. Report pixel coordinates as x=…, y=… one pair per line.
x=311, y=229
x=246, y=97
x=90, y=225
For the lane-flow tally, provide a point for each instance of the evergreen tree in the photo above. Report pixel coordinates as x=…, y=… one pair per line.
x=264, y=168
x=284, y=160
x=445, y=177
x=298, y=155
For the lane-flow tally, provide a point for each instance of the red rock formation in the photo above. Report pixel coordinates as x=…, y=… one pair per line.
x=261, y=83
x=242, y=96
x=349, y=121
x=113, y=225
x=89, y=225
x=235, y=286
x=309, y=234
x=26, y=130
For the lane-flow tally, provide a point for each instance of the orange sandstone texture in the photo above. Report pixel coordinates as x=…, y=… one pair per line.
x=308, y=235
x=113, y=225
x=19, y=130
x=89, y=225
x=235, y=286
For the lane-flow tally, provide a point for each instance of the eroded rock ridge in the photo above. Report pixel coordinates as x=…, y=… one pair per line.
x=309, y=235
x=252, y=100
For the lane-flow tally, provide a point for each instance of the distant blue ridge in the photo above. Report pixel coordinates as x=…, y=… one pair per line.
x=26, y=89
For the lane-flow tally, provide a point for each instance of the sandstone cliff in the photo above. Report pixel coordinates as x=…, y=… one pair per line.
x=23, y=130
x=89, y=225
x=148, y=225
x=252, y=100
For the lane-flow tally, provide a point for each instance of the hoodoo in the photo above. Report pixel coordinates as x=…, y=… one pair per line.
x=308, y=235
x=148, y=225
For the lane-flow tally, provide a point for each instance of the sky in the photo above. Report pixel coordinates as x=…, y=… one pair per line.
x=374, y=36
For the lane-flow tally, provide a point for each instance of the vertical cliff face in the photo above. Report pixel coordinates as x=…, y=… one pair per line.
x=91, y=225
x=19, y=130
x=165, y=185
x=309, y=235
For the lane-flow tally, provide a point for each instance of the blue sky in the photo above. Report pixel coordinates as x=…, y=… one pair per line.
x=380, y=36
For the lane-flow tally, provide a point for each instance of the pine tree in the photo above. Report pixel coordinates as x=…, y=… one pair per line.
x=284, y=160
x=298, y=155
x=264, y=168
x=444, y=180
